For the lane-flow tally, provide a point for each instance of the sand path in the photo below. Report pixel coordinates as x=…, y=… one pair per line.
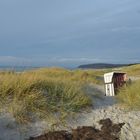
x=107, y=107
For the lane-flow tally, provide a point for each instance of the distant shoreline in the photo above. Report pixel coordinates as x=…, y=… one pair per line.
x=104, y=65
x=17, y=68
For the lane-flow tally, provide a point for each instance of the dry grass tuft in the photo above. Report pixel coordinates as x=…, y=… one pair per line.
x=130, y=95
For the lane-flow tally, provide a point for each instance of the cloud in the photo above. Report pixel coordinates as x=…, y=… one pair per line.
x=91, y=60
x=80, y=59
x=118, y=29
x=12, y=60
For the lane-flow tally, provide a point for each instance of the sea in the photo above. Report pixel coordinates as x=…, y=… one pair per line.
x=25, y=68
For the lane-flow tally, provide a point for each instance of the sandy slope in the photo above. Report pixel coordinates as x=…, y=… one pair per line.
x=107, y=107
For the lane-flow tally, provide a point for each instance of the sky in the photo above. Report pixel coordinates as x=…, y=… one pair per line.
x=69, y=33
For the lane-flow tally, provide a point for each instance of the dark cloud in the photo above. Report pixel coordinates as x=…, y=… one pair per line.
x=70, y=30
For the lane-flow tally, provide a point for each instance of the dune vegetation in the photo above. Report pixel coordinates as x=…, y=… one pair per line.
x=92, y=76
x=130, y=95
x=133, y=70
x=47, y=93
x=55, y=93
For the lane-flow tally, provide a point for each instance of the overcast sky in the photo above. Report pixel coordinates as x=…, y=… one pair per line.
x=69, y=32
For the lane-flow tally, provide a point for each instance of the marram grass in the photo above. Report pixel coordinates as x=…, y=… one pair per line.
x=130, y=95
x=30, y=95
x=133, y=70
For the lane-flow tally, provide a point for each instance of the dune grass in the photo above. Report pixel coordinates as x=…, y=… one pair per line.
x=130, y=95
x=92, y=76
x=133, y=70
x=55, y=93
x=42, y=94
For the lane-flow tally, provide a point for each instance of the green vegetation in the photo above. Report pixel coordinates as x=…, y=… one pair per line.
x=133, y=70
x=92, y=76
x=55, y=93
x=130, y=95
x=48, y=93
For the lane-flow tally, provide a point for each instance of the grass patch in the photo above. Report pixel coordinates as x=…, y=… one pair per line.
x=90, y=76
x=52, y=94
x=133, y=70
x=41, y=94
x=130, y=95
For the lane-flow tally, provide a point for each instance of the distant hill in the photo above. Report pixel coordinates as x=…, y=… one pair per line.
x=102, y=66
